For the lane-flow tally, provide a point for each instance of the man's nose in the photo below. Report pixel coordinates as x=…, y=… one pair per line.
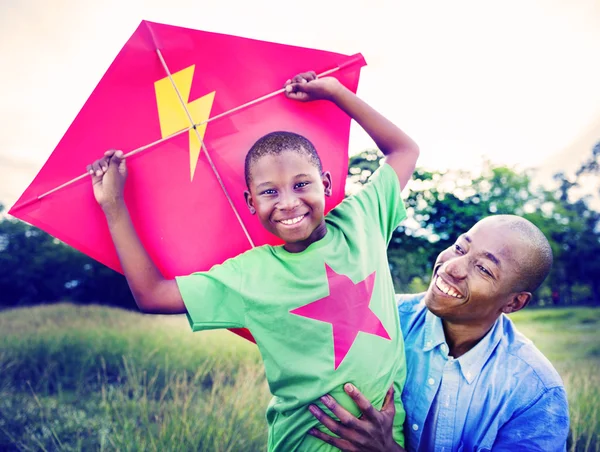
x=457, y=267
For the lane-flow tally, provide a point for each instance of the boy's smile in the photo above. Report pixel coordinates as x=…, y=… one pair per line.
x=287, y=192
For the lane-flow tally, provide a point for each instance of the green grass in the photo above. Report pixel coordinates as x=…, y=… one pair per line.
x=570, y=339
x=95, y=378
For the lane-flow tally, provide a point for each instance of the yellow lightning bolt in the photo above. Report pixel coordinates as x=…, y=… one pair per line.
x=171, y=113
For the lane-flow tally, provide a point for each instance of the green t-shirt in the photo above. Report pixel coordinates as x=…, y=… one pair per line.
x=321, y=317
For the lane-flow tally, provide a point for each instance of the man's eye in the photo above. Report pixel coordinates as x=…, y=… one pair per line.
x=484, y=270
x=458, y=249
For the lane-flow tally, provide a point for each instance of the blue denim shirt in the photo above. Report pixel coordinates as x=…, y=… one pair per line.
x=503, y=394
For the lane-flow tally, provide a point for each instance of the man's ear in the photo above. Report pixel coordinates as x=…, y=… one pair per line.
x=517, y=302
x=249, y=202
x=326, y=178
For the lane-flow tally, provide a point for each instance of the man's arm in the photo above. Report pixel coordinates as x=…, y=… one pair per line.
x=400, y=150
x=372, y=432
x=543, y=427
x=152, y=292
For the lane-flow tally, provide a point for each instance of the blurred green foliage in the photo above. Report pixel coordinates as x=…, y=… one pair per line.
x=36, y=268
x=443, y=205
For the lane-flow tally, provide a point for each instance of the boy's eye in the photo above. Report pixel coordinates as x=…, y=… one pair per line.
x=301, y=184
x=270, y=191
x=458, y=249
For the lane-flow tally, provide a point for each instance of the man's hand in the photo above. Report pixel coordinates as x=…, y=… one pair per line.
x=372, y=432
x=306, y=87
x=108, y=178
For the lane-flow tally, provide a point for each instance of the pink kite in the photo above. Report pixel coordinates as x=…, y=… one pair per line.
x=185, y=106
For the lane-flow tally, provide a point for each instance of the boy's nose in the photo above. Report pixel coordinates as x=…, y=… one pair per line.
x=287, y=201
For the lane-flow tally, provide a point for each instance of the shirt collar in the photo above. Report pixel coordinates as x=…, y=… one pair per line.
x=434, y=332
x=471, y=362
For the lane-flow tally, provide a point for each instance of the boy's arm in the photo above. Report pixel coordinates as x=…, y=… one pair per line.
x=400, y=150
x=152, y=292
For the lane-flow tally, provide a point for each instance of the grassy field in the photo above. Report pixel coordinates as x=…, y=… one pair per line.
x=570, y=339
x=95, y=378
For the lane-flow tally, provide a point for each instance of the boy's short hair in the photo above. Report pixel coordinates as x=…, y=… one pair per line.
x=275, y=143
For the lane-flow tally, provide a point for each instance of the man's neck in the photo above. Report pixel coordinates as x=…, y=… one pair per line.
x=461, y=337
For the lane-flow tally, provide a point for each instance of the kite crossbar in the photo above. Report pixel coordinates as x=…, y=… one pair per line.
x=260, y=99
x=84, y=175
x=349, y=62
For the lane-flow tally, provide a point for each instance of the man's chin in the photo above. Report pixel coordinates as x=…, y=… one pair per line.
x=437, y=304
x=433, y=306
x=428, y=299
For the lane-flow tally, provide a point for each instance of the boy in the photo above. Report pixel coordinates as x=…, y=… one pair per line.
x=330, y=275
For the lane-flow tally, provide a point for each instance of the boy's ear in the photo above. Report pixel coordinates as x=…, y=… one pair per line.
x=249, y=202
x=326, y=178
x=518, y=302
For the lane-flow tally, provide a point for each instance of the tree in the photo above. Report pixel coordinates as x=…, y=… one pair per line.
x=443, y=205
x=37, y=268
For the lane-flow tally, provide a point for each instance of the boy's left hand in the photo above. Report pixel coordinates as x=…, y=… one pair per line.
x=306, y=87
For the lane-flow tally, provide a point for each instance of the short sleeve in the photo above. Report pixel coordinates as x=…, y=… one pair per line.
x=381, y=199
x=213, y=298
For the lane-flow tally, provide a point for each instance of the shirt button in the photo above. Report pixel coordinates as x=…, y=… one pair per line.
x=415, y=427
x=431, y=381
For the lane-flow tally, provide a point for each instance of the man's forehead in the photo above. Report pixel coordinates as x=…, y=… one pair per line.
x=502, y=243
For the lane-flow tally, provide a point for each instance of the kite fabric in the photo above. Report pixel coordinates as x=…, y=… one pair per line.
x=184, y=217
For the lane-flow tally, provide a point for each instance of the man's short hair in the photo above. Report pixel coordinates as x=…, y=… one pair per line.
x=275, y=143
x=535, y=264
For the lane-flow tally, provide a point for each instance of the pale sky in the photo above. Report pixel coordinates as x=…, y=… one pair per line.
x=514, y=81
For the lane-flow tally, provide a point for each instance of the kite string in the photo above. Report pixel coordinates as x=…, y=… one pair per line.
x=154, y=143
x=208, y=158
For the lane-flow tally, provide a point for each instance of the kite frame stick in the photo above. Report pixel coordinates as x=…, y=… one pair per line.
x=84, y=175
x=208, y=158
x=154, y=143
x=260, y=99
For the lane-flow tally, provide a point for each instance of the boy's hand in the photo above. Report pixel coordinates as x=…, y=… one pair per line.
x=306, y=87
x=108, y=178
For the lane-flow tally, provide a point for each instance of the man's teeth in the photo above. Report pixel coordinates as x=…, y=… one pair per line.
x=292, y=221
x=440, y=284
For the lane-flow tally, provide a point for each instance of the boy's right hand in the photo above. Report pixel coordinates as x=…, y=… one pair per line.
x=306, y=87
x=108, y=178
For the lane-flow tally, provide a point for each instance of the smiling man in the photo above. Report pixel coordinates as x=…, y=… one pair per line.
x=474, y=382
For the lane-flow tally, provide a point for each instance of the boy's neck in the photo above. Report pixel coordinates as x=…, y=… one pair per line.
x=316, y=235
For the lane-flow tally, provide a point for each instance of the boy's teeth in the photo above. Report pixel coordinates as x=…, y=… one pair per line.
x=440, y=284
x=292, y=221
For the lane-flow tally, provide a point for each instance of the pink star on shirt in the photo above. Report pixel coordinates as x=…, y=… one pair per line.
x=347, y=309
